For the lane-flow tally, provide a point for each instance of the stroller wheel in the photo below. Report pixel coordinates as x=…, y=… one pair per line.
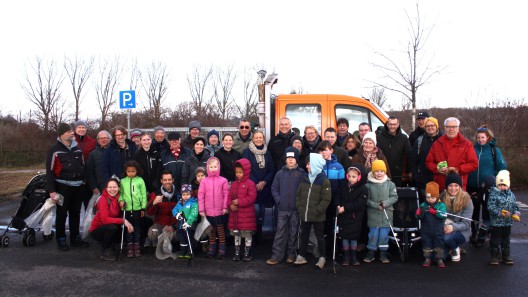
x=30, y=240
x=5, y=241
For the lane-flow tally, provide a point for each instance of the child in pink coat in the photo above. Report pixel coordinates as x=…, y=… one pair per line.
x=212, y=204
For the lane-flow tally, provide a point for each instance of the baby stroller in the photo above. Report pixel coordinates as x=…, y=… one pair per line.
x=406, y=225
x=33, y=198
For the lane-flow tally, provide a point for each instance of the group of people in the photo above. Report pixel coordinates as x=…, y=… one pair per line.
x=160, y=187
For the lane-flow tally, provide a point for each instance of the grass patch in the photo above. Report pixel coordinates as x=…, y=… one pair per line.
x=15, y=180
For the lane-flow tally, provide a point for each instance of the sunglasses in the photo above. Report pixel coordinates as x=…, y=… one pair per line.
x=244, y=127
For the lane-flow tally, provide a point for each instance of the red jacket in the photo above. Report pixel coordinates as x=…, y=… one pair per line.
x=87, y=145
x=458, y=152
x=108, y=211
x=246, y=192
x=162, y=212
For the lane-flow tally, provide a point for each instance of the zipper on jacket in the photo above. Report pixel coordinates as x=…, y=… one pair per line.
x=307, y=203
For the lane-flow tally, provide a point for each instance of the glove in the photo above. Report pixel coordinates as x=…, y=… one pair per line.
x=432, y=211
x=185, y=226
x=516, y=218
x=505, y=213
x=179, y=216
x=418, y=212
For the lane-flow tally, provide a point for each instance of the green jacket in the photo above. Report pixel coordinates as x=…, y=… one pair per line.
x=313, y=198
x=134, y=193
x=380, y=191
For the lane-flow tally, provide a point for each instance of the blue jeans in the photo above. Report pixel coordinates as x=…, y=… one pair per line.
x=453, y=240
x=378, y=238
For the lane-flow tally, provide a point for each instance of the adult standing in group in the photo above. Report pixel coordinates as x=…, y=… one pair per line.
x=351, y=144
x=174, y=158
x=363, y=129
x=120, y=150
x=159, y=142
x=64, y=176
x=227, y=157
x=213, y=140
x=330, y=135
x=135, y=135
x=368, y=152
x=454, y=149
x=197, y=158
x=262, y=173
x=297, y=142
x=342, y=131
x=421, y=148
x=94, y=166
x=149, y=159
x=490, y=162
x=395, y=145
x=278, y=143
x=243, y=138
x=194, y=131
x=311, y=140
x=87, y=144
x=420, y=127
x=457, y=227
x=106, y=224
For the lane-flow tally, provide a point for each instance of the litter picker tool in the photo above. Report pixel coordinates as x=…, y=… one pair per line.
x=336, y=230
x=120, y=254
x=402, y=256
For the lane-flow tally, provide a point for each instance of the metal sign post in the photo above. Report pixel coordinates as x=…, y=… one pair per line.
x=127, y=100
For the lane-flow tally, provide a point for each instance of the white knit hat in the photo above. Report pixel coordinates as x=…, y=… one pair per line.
x=503, y=177
x=371, y=136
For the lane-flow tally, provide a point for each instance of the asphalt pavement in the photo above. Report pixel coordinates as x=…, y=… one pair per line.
x=44, y=271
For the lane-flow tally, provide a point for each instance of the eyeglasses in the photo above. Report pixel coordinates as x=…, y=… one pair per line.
x=119, y=135
x=244, y=127
x=102, y=138
x=451, y=127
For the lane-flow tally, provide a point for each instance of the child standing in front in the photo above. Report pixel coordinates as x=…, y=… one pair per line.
x=312, y=198
x=382, y=195
x=432, y=213
x=186, y=208
x=133, y=201
x=503, y=211
x=354, y=196
x=242, y=219
x=212, y=204
x=284, y=190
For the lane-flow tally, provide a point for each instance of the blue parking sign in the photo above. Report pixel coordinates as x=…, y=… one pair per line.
x=127, y=99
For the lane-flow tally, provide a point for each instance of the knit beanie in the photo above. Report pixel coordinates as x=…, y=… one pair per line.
x=134, y=133
x=158, y=128
x=371, y=136
x=186, y=188
x=296, y=137
x=453, y=178
x=379, y=165
x=211, y=133
x=195, y=124
x=80, y=123
x=291, y=152
x=174, y=136
x=432, y=190
x=503, y=177
x=489, y=182
x=63, y=128
x=432, y=120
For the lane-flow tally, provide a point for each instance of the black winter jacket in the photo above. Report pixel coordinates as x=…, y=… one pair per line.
x=227, y=162
x=64, y=163
x=277, y=145
x=354, y=200
x=175, y=166
x=397, y=150
x=152, y=166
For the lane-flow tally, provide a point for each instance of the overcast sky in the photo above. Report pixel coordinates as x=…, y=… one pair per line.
x=321, y=46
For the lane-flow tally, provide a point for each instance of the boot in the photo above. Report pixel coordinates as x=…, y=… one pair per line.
x=384, y=257
x=494, y=256
x=506, y=259
x=62, y=245
x=247, y=254
x=221, y=251
x=346, y=258
x=369, y=257
x=137, y=250
x=426, y=263
x=108, y=255
x=237, y=256
x=212, y=250
x=440, y=263
x=130, y=253
x=353, y=258
x=427, y=256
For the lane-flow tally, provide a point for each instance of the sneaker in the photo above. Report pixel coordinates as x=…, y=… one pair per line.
x=108, y=255
x=290, y=260
x=440, y=263
x=62, y=245
x=272, y=262
x=384, y=257
x=300, y=260
x=455, y=255
x=78, y=242
x=321, y=263
x=369, y=257
x=426, y=263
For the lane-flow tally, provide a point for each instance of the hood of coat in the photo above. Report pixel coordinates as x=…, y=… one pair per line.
x=317, y=163
x=363, y=174
x=374, y=180
x=246, y=165
x=209, y=161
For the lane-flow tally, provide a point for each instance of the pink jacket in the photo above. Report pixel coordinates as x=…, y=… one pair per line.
x=246, y=192
x=213, y=192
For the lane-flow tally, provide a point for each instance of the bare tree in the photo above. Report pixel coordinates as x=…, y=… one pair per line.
x=57, y=114
x=297, y=90
x=416, y=70
x=200, y=88
x=106, y=86
x=79, y=71
x=223, y=89
x=155, y=84
x=377, y=95
x=42, y=88
x=248, y=108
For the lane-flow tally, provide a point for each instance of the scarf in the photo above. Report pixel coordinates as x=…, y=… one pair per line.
x=370, y=157
x=167, y=194
x=259, y=154
x=176, y=153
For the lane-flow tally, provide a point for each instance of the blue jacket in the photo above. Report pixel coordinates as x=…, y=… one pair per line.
x=114, y=158
x=189, y=209
x=262, y=174
x=336, y=174
x=498, y=201
x=487, y=165
x=284, y=187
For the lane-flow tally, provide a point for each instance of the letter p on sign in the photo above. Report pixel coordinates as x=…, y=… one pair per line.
x=127, y=99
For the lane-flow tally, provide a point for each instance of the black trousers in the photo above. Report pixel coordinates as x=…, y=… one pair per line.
x=500, y=236
x=71, y=208
x=108, y=235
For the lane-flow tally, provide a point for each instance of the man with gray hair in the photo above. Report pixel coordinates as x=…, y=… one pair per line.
x=451, y=153
x=278, y=143
x=94, y=166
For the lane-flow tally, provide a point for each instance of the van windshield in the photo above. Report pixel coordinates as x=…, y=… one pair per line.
x=302, y=115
